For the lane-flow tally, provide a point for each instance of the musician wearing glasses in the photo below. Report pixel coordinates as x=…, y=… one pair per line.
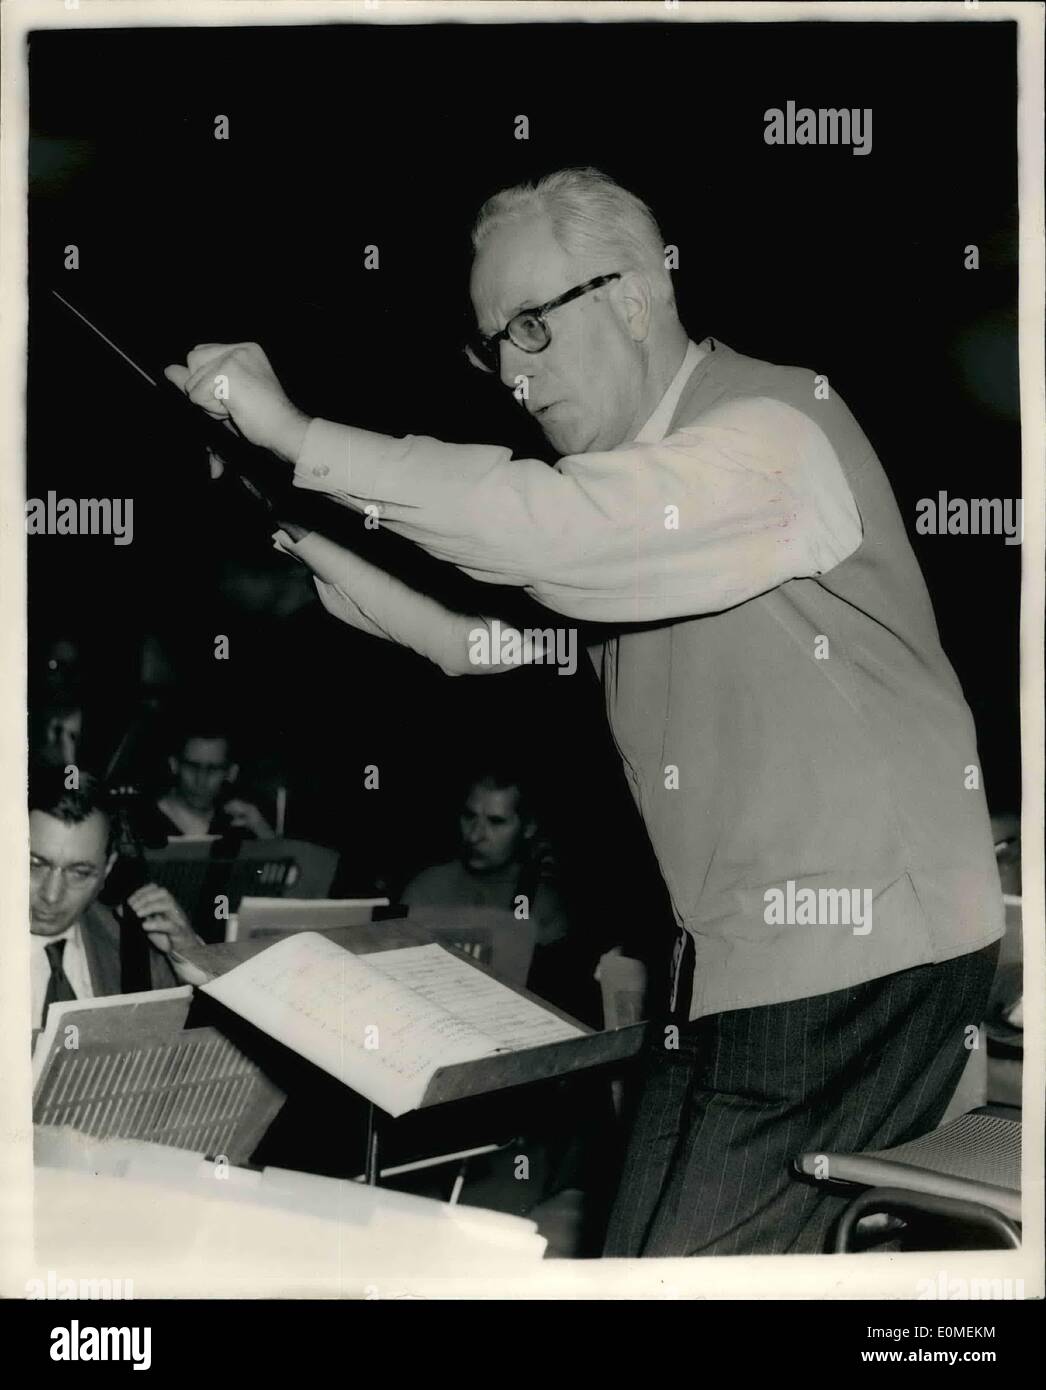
x=75, y=940
x=772, y=673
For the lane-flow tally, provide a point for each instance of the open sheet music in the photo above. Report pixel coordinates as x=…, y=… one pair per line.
x=384, y=1023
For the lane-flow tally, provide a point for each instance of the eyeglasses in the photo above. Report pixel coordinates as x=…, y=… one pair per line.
x=528, y=329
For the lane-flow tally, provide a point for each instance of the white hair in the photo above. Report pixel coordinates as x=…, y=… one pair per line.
x=592, y=218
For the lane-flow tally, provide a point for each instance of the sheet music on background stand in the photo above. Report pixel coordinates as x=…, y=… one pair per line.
x=267, y=918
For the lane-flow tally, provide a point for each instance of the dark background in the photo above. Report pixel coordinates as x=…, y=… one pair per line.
x=348, y=136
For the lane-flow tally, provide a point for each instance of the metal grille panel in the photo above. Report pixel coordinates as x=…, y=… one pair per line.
x=190, y=1093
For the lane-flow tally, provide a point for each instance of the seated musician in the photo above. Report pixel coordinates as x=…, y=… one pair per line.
x=197, y=802
x=76, y=950
x=56, y=720
x=499, y=865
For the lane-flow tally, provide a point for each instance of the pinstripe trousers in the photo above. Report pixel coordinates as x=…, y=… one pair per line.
x=708, y=1165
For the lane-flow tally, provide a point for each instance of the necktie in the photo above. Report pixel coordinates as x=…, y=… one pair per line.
x=58, y=986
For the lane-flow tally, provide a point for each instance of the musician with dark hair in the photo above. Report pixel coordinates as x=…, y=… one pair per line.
x=203, y=768
x=500, y=863
x=78, y=949
x=495, y=866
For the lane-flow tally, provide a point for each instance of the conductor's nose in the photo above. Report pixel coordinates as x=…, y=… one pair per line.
x=515, y=363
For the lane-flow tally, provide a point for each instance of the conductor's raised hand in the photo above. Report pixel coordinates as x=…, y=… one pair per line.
x=235, y=381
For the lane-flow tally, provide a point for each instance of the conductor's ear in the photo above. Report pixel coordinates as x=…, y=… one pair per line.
x=233, y=773
x=635, y=303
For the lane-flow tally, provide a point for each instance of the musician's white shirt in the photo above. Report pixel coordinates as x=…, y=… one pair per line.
x=74, y=963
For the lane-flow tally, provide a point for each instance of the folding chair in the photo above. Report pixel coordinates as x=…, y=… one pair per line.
x=967, y=1171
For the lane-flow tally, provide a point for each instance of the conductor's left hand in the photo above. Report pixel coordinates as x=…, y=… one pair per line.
x=235, y=381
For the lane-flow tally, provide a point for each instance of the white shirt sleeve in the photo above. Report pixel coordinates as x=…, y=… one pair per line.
x=368, y=598
x=748, y=497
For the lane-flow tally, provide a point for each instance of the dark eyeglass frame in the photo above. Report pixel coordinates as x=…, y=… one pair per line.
x=485, y=354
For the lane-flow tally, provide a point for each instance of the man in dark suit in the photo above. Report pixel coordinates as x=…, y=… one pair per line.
x=76, y=941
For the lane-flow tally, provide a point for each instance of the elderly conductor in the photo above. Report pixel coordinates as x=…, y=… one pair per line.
x=792, y=731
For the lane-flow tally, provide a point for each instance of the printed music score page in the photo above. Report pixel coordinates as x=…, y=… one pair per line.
x=512, y=1021
x=384, y=1023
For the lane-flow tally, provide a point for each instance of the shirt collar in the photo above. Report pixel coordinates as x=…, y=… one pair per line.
x=657, y=426
x=70, y=934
